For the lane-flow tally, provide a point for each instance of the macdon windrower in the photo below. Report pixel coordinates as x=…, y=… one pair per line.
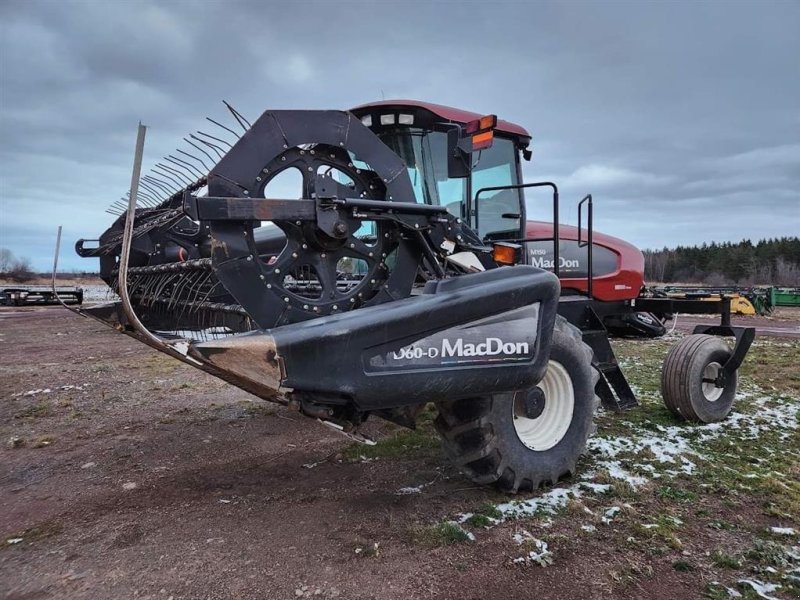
x=401, y=270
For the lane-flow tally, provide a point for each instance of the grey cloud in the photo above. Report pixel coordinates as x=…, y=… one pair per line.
x=681, y=118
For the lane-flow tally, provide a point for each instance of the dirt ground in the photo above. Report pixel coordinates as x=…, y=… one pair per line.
x=783, y=322
x=127, y=474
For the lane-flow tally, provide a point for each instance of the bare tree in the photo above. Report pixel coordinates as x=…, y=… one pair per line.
x=15, y=269
x=6, y=260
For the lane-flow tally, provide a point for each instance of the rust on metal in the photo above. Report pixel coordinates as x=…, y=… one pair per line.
x=251, y=356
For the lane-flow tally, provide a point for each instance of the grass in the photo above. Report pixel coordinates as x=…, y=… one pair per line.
x=257, y=409
x=422, y=442
x=683, y=566
x=723, y=560
x=484, y=516
x=36, y=411
x=668, y=492
x=41, y=531
x=740, y=482
x=44, y=441
x=440, y=534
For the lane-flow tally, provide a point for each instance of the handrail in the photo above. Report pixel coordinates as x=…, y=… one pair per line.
x=556, y=224
x=589, y=243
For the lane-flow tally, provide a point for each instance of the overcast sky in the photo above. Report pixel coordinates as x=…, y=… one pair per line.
x=682, y=118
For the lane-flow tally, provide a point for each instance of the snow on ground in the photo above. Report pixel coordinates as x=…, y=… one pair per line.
x=762, y=590
x=658, y=450
x=98, y=293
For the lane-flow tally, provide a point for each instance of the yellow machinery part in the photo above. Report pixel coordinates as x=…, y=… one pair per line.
x=739, y=304
x=742, y=306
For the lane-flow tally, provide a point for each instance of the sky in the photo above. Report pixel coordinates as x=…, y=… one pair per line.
x=681, y=118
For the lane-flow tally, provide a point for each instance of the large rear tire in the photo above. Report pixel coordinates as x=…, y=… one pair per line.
x=687, y=379
x=521, y=440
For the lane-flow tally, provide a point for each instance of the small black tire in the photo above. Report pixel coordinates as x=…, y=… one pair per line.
x=484, y=438
x=686, y=394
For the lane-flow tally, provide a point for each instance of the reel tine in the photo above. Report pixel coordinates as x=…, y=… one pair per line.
x=221, y=141
x=158, y=184
x=203, y=151
x=192, y=156
x=176, y=160
x=182, y=168
x=238, y=116
x=223, y=127
x=181, y=177
x=215, y=148
x=167, y=184
x=181, y=185
x=148, y=199
x=153, y=191
x=144, y=197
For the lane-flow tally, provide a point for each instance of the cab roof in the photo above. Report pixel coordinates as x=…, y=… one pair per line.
x=446, y=113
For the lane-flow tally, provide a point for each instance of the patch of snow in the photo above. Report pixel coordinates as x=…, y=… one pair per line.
x=13, y=540
x=545, y=504
x=597, y=488
x=404, y=491
x=676, y=447
x=616, y=471
x=541, y=555
x=32, y=392
x=589, y=528
x=761, y=589
x=783, y=530
x=610, y=513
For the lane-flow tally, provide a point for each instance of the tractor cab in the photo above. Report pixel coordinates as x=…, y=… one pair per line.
x=453, y=156
x=471, y=164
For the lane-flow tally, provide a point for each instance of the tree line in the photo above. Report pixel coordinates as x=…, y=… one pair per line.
x=774, y=261
x=15, y=268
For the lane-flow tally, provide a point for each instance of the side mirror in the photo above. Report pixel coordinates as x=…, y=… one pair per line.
x=458, y=161
x=463, y=141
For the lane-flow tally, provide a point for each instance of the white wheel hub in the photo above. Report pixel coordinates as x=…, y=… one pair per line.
x=711, y=392
x=551, y=425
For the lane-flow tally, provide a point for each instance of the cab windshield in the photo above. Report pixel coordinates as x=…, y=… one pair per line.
x=425, y=155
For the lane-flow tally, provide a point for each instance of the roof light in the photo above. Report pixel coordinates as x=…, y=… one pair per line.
x=367, y=120
x=481, y=141
x=482, y=124
x=387, y=119
x=405, y=119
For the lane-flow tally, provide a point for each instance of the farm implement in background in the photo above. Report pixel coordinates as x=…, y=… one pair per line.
x=22, y=295
x=401, y=271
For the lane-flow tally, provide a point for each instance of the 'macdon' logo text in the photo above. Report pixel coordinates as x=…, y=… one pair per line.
x=491, y=347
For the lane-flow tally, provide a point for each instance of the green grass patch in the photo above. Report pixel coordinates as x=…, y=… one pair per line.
x=36, y=411
x=41, y=531
x=668, y=492
x=479, y=521
x=683, y=566
x=440, y=534
x=723, y=560
x=422, y=442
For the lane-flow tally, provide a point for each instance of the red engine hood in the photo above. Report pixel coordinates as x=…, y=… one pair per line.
x=622, y=284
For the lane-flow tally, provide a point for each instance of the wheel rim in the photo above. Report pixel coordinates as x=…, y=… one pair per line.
x=551, y=425
x=711, y=392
